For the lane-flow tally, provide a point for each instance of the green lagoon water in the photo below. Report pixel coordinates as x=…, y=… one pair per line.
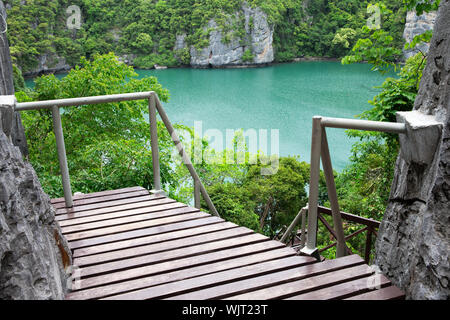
x=283, y=97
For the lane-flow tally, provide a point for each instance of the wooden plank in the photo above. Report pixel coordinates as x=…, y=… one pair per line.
x=98, y=194
x=173, y=265
x=243, y=286
x=308, y=284
x=175, y=235
x=120, y=214
x=235, y=260
x=162, y=246
x=169, y=255
x=103, y=199
x=158, y=213
x=389, y=293
x=343, y=290
x=149, y=202
x=214, y=279
x=144, y=232
x=190, y=214
x=111, y=203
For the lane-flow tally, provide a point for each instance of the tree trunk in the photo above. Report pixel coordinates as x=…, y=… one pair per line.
x=7, y=84
x=413, y=244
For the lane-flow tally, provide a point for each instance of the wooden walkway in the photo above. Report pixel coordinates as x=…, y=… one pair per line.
x=128, y=244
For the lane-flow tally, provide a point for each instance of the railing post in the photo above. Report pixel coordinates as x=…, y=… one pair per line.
x=57, y=128
x=186, y=160
x=291, y=227
x=332, y=195
x=154, y=145
x=311, y=242
x=303, y=228
x=368, y=245
x=197, y=194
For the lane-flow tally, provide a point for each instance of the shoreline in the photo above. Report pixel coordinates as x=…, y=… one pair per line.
x=31, y=75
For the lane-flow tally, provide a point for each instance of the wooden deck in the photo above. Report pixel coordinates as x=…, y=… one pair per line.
x=128, y=244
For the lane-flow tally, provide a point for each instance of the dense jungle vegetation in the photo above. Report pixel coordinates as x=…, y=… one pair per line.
x=148, y=29
x=107, y=152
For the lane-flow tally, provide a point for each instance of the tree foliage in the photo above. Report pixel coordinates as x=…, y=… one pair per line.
x=107, y=145
x=364, y=186
x=148, y=29
x=265, y=202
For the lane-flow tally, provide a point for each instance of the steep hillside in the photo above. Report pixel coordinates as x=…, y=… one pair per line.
x=189, y=32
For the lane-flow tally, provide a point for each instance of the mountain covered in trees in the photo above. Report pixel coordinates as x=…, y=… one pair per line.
x=174, y=32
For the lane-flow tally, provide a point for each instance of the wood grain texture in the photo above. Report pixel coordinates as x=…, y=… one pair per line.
x=389, y=293
x=272, y=279
x=344, y=290
x=144, y=232
x=235, y=260
x=130, y=245
x=98, y=194
x=152, y=239
x=124, y=209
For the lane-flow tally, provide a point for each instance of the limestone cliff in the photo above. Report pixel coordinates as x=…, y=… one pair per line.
x=49, y=63
x=34, y=256
x=7, y=84
x=257, y=40
x=413, y=243
x=416, y=25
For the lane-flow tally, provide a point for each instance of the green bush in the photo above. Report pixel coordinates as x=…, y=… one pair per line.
x=247, y=56
x=149, y=28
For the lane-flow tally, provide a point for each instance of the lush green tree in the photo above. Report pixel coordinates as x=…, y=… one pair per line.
x=148, y=29
x=364, y=186
x=107, y=145
x=265, y=203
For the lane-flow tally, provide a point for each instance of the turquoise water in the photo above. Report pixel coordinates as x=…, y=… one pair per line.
x=283, y=97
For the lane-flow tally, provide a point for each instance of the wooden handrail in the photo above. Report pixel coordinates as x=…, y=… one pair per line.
x=346, y=238
x=320, y=151
x=154, y=107
x=370, y=226
x=352, y=218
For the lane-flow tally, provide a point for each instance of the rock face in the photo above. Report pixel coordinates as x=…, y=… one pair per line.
x=416, y=25
x=7, y=84
x=413, y=243
x=49, y=63
x=34, y=257
x=258, y=39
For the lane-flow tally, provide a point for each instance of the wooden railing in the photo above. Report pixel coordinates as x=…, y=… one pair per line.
x=297, y=239
x=154, y=106
x=320, y=152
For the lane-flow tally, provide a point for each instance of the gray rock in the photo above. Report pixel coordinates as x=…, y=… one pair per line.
x=413, y=243
x=416, y=25
x=7, y=88
x=217, y=53
x=180, y=42
x=258, y=38
x=261, y=35
x=128, y=58
x=49, y=63
x=423, y=136
x=34, y=256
